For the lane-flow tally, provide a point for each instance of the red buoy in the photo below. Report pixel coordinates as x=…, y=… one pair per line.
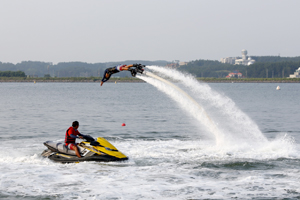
x=123, y=124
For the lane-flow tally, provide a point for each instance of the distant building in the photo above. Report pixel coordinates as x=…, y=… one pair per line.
x=236, y=61
x=229, y=60
x=183, y=63
x=244, y=60
x=172, y=65
x=175, y=64
x=32, y=76
x=296, y=74
x=235, y=74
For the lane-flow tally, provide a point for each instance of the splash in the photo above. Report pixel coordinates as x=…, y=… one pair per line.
x=225, y=121
x=184, y=99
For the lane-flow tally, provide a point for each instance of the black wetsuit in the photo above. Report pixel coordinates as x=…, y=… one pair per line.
x=110, y=71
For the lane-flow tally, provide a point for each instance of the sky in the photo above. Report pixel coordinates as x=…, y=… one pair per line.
x=117, y=30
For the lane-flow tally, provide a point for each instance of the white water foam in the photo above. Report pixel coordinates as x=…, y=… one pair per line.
x=172, y=169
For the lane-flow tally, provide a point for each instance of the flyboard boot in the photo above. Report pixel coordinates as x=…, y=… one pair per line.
x=137, y=68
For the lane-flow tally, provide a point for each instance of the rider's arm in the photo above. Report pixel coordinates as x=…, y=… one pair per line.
x=73, y=136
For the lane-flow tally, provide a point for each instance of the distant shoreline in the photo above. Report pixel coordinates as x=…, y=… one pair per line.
x=136, y=80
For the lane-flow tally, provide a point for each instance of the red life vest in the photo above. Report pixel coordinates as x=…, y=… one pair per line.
x=68, y=138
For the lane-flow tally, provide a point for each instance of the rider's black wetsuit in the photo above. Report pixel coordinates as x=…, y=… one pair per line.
x=110, y=71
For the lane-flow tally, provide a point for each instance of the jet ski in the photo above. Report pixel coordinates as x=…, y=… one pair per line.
x=99, y=150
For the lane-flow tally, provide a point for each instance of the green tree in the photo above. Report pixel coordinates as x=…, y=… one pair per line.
x=12, y=74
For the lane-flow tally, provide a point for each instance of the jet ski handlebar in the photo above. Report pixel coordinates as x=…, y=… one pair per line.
x=91, y=140
x=88, y=138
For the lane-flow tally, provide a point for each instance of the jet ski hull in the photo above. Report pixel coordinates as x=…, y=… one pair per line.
x=63, y=158
x=97, y=151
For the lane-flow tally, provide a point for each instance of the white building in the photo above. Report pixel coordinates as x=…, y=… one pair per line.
x=183, y=63
x=244, y=60
x=296, y=74
x=235, y=61
x=230, y=60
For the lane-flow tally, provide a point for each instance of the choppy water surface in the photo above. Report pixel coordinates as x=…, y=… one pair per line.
x=173, y=153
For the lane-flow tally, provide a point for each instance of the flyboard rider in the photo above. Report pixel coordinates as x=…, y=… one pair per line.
x=71, y=134
x=134, y=68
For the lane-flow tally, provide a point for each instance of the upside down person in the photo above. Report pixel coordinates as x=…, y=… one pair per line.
x=112, y=70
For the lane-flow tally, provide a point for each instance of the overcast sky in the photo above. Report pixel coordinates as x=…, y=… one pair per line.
x=116, y=30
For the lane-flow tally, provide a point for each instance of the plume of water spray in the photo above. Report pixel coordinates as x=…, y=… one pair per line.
x=239, y=127
x=185, y=101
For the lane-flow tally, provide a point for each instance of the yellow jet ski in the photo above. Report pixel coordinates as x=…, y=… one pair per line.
x=99, y=150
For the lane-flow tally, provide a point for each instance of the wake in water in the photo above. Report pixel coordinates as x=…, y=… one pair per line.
x=217, y=113
x=243, y=164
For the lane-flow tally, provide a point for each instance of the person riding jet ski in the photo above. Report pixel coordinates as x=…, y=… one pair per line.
x=134, y=69
x=70, y=138
x=90, y=149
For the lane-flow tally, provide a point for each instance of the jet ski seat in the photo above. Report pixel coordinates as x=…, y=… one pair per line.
x=60, y=147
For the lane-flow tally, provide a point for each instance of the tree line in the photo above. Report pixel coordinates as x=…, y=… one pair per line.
x=70, y=69
x=271, y=70
x=272, y=59
x=12, y=74
x=210, y=68
x=267, y=67
x=264, y=67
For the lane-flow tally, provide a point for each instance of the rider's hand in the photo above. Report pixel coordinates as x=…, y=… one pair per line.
x=80, y=137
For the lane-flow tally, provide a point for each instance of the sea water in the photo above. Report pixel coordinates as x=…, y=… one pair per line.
x=173, y=154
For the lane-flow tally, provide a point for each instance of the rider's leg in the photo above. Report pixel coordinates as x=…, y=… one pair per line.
x=75, y=148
